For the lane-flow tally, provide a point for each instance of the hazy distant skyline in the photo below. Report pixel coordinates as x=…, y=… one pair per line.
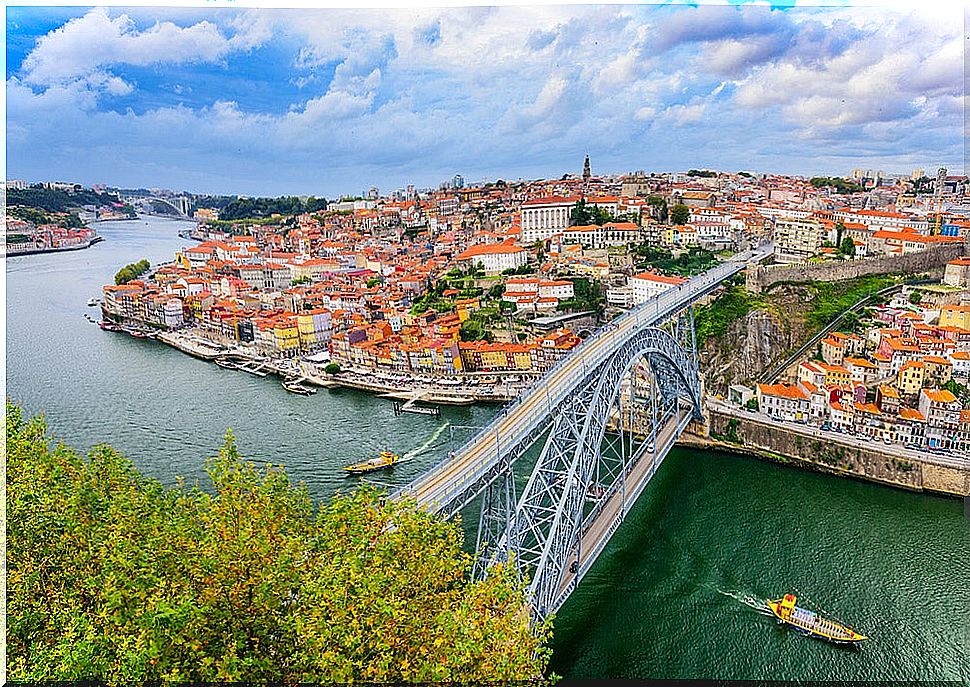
x=331, y=102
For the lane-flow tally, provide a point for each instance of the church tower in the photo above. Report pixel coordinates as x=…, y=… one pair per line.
x=586, y=172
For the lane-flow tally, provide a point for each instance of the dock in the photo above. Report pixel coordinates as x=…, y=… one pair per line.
x=192, y=346
x=410, y=406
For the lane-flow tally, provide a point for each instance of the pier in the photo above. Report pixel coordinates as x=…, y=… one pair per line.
x=410, y=406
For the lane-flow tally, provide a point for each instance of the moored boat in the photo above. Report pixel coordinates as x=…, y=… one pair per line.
x=93, y=302
x=811, y=623
x=109, y=326
x=385, y=460
x=297, y=388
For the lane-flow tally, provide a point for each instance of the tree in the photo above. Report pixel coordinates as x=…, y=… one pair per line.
x=113, y=577
x=752, y=403
x=679, y=214
x=332, y=369
x=847, y=247
x=305, y=279
x=658, y=207
x=915, y=297
x=131, y=271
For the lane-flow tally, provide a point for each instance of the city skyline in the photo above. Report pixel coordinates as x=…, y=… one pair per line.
x=331, y=102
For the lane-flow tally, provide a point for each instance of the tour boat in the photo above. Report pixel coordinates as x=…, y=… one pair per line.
x=812, y=624
x=138, y=334
x=109, y=326
x=93, y=302
x=227, y=364
x=385, y=460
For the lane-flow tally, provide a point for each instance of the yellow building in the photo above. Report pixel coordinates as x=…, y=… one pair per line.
x=835, y=374
x=955, y=316
x=287, y=335
x=910, y=378
x=304, y=325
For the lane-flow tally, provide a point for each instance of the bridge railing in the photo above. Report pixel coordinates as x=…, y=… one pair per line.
x=646, y=314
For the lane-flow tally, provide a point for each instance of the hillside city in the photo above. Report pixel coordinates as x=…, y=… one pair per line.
x=474, y=291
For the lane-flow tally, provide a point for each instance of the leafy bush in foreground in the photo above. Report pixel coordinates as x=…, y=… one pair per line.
x=112, y=576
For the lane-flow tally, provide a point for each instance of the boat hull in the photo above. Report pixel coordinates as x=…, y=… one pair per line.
x=371, y=466
x=811, y=625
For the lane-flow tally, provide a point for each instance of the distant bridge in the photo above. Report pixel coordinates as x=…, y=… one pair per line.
x=179, y=204
x=607, y=414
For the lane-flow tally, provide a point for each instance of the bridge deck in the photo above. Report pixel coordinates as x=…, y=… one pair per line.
x=450, y=484
x=613, y=511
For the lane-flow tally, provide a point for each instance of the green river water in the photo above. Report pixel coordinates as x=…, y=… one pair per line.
x=677, y=592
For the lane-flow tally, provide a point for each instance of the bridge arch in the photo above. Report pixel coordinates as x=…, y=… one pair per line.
x=548, y=521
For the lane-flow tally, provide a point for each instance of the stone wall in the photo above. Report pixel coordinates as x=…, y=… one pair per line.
x=873, y=462
x=760, y=278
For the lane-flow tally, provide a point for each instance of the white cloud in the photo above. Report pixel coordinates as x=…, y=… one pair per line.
x=509, y=86
x=87, y=44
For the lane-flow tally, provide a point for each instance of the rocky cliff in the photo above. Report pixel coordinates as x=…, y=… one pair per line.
x=751, y=343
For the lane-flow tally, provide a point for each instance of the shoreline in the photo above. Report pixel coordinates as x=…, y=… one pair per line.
x=42, y=251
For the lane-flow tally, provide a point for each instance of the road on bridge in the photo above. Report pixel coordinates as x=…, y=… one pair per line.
x=613, y=511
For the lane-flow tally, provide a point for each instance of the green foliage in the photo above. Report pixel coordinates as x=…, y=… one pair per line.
x=584, y=214
x=852, y=323
x=113, y=577
x=521, y=269
x=694, y=261
x=713, y=319
x=242, y=208
x=373, y=281
x=840, y=185
x=752, y=403
x=679, y=214
x=658, y=207
x=473, y=329
x=847, y=247
x=587, y=295
x=305, y=279
x=833, y=298
x=706, y=173
x=915, y=297
x=961, y=391
x=332, y=369
x=56, y=200
x=39, y=217
x=132, y=271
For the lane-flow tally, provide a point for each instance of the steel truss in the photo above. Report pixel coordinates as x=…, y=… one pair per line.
x=583, y=471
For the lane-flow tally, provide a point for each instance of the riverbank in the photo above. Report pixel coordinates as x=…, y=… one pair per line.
x=40, y=251
x=811, y=449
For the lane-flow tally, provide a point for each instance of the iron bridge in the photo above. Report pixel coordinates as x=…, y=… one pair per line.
x=607, y=415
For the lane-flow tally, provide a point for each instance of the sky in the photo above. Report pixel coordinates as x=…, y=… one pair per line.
x=333, y=101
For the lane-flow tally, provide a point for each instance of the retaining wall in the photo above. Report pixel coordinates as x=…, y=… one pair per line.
x=760, y=278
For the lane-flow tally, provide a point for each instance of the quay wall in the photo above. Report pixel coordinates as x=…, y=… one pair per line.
x=761, y=278
x=873, y=462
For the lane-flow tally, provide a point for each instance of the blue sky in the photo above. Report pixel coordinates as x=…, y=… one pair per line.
x=332, y=101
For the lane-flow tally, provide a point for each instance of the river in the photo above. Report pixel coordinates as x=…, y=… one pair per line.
x=675, y=593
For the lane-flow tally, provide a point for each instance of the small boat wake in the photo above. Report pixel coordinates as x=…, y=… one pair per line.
x=427, y=445
x=760, y=605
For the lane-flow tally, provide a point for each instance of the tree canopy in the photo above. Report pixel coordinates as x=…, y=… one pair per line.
x=679, y=214
x=584, y=213
x=116, y=578
x=840, y=185
x=132, y=271
x=244, y=208
x=58, y=200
